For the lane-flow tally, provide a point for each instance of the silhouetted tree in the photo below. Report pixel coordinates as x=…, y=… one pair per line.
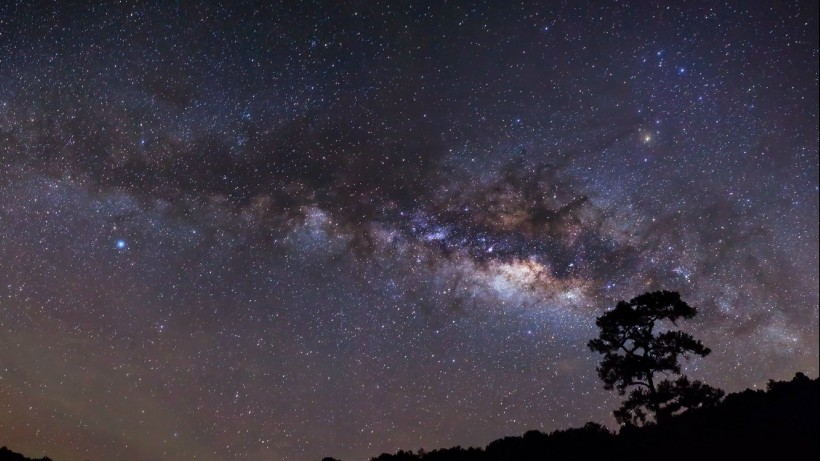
x=634, y=353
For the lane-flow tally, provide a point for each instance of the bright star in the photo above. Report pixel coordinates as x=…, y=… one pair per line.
x=121, y=244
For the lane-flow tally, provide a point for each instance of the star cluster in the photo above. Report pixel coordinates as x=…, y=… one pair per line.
x=342, y=228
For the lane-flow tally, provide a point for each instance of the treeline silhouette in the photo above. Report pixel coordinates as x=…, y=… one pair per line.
x=8, y=455
x=753, y=424
x=783, y=421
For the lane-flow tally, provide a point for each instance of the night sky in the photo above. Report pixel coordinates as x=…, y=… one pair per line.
x=249, y=232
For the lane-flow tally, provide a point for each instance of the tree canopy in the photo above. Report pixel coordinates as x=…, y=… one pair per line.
x=638, y=344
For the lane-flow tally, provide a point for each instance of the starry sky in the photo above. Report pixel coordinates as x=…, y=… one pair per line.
x=306, y=229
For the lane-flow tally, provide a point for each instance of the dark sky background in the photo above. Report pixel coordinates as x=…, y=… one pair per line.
x=283, y=232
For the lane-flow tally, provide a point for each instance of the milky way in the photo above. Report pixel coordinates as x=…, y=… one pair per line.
x=313, y=229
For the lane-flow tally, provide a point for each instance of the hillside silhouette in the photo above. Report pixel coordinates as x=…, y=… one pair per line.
x=754, y=424
x=781, y=422
x=8, y=455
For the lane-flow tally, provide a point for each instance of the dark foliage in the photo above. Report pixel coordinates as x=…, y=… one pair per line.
x=634, y=353
x=780, y=423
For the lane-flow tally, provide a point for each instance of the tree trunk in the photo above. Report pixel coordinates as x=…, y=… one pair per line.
x=653, y=401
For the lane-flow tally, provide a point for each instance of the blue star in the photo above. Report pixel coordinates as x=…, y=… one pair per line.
x=121, y=244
